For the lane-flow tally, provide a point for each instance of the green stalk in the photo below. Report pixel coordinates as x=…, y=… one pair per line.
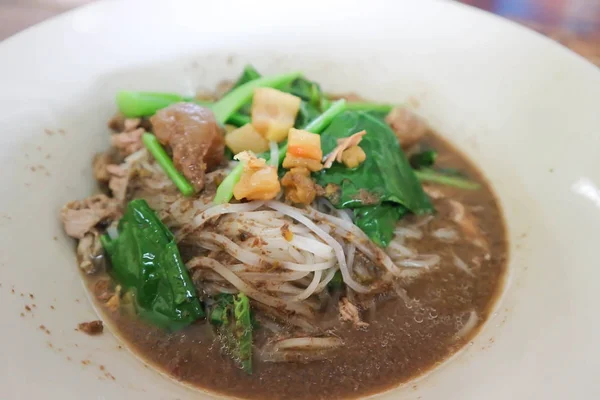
x=238, y=119
x=161, y=156
x=318, y=125
x=364, y=106
x=429, y=175
x=239, y=96
x=144, y=104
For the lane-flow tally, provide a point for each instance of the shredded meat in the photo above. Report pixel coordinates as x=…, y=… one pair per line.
x=89, y=253
x=91, y=328
x=119, y=179
x=81, y=216
x=259, y=181
x=299, y=187
x=409, y=127
x=128, y=142
x=434, y=192
x=349, y=312
x=101, y=161
x=194, y=136
x=103, y=290
x=343, y=144
x=131, y=124
x=468, y=224
x=117, y=123
x=114, y=302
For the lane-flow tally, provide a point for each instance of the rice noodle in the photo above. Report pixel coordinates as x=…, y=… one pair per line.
x=308, y=343
x=214, y=211
x=339, y=252
x=310, y=289
x=396, y=247
x=274, y=160
x=468, y=326
x=248, y=257
x=422, y=261
x=247, y=289
x=268, y=355
x=326, y=280
x=313, y=246
x=445, y=235
x=460, y=264
x=274, y=276
x=408, y=232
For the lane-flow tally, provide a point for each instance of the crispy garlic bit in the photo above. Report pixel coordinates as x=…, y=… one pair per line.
x=299, y=187
x=343, y=144
x=259, y=181
x=304, y=150
x=274, y=113
x=246, y=138
x=353, y=156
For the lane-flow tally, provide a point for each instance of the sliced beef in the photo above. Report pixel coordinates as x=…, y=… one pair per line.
x=101, y=161
x=128, y=142
x=81, y=216
x=194, y=136
x=90, y=254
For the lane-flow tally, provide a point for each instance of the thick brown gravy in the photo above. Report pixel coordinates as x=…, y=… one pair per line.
x=402, y=341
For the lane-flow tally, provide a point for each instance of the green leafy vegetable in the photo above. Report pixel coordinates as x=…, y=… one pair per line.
x=336, y=282
x=370, y=107
x=385, y=176
x=225, y=189
x=383, y=188
x=306, y=114
x=232, y=318
x=307, y=90
x=430, y=175
x=243, y=330
x=239, y=119
x=146, y=262
x=378, y=222
x=163, y=159
x=423, y=159
x=248, y=74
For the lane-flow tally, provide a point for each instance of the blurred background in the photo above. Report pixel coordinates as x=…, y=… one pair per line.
x=574, y=23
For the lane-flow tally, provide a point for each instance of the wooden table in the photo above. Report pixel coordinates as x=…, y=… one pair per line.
x=574, y=23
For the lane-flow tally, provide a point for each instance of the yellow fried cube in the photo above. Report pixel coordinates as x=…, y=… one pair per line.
x=274, y=113
x=246, y=138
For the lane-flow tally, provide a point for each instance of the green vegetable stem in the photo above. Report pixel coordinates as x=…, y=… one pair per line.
x=232, y=318
x=163, y=159
x=430, y=175
x=423, y=159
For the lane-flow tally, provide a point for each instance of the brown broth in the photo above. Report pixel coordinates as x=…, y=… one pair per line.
x=400, y=343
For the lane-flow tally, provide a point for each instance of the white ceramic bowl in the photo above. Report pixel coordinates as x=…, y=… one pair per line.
x=523, y=108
